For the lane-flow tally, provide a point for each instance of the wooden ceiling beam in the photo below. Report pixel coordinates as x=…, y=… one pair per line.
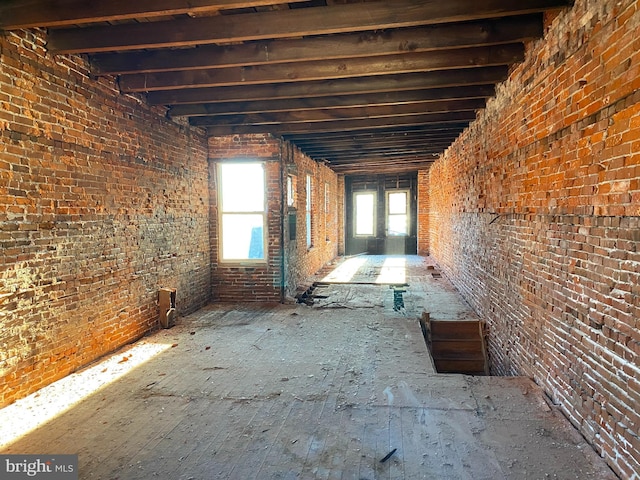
x=366, y=170
x=350, y=45
x=15, y=14
x=343, y=125
x=286, y=24
x=337, y=147
x=389, y=161
x=348, y=142
x=321, y=147
x=340, y=113
x=388, y=154
x=396, y=134
x=411, y=131
x=406, y=160
x=383, y=170
x=340, y=101
x=326, y=69
x=381, y=154
x=349, y=86
x=345, y=152
x=340, y=145
x=381, y=166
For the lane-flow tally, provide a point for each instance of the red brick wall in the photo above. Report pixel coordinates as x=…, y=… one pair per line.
x=535, y=217
x=269, y=282
x=302, y=261
x=423, y=213
x=102, y=202
x=255, y=282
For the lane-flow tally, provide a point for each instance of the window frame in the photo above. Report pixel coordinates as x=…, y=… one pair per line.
x=222, y=212
x=406, y=212
x=374, y=194
x=327, y=211
x=308, y=210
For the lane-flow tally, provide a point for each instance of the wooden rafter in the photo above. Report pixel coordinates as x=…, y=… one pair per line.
x=341, y=113
x=286, y=24
x=326, y=69
x=374, y=144
x=369, y=86
x=415, y=131
x=338, y=125
x=346, y=45
x=381, y=166
x=15, y=14
x=361, y=85
x=340, y=101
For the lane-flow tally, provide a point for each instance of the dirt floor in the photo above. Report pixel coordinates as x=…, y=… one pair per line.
x=342, y=388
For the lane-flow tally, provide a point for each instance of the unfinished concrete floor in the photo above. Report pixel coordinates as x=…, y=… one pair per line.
x=294, y=391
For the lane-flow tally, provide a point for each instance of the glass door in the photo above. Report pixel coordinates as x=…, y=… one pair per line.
x=397, y=221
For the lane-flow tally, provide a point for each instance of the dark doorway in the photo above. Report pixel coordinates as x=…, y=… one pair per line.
x=381, y=214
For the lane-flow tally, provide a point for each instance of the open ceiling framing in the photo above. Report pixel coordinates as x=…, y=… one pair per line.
x=366, y=86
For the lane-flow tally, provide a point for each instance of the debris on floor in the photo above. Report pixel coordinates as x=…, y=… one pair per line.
x=330, y=393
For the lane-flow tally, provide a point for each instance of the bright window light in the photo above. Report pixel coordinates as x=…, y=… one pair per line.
x=364, y=213
x=397, y=202
x=242, y=199
x=397, y=218
x=242, y=187
x=309, y=212
x=242, y=236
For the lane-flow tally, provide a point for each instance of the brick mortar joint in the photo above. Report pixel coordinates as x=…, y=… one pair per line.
x=562, y=22
x=567, y=130
x=527, y=216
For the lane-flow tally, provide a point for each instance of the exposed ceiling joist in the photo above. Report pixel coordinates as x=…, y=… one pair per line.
x=338, y=125
x=346, y=150
x=387, y=152
x=286, y=24
x=15, y=14
x=326, y=69
x=324, y=150
x=390, y=133
x=384, y=166
x=379, y=144
x=346, y=45
x=330, y=103
x=350, y=86
x=339, y=114
x=366, y=86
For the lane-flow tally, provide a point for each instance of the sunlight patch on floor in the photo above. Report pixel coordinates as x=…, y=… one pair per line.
x=346, y=270
x=394, y=271
x=29, y=413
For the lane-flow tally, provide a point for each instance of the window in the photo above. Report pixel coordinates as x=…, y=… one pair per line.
x=291, y=191
x=242, y=206
x=327, y=211
x=308, y=213
x=397, y=208
x=365, y=213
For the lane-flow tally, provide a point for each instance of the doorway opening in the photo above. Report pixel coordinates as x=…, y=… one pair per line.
x=381, y=214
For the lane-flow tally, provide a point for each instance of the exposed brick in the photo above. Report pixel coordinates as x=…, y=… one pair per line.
x=94, y=220
x=534, y=216
x=269, y=282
